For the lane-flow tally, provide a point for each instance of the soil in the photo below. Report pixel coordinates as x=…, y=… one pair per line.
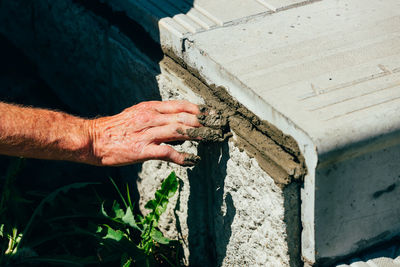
x=278, y=154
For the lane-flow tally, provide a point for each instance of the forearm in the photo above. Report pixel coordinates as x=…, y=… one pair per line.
x=44, y=134
x=132, y=136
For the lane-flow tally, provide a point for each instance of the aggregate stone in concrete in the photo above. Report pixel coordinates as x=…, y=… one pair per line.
x=327, y=74
x=228, y=212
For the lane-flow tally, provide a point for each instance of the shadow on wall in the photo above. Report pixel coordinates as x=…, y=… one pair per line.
x=20, y=83
x=98, y=61
x=209, y=229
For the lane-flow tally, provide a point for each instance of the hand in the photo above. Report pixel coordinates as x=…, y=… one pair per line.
x=135, y=135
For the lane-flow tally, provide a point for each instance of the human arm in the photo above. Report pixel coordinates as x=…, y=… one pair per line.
x=132, y=136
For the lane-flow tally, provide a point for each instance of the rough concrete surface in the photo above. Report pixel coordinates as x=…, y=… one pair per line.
x=228, y=212
x=278, y=154
x=326, y=74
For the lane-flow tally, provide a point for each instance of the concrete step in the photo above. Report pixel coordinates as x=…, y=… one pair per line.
x=315, y=86
x=326, y=74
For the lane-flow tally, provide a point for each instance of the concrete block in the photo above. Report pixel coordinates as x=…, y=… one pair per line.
x=104, y=70
x=318, y=83
x=229, y=211
x=327, y=75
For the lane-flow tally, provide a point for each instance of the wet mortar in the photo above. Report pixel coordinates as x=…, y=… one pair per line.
x=278, y=154
x=191, y=160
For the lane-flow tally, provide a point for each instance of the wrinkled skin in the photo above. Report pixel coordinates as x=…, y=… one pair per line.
x=137, y=133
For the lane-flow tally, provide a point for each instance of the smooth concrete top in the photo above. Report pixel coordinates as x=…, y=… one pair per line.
x=331, y=67
x=325, y=72
x=192, y=16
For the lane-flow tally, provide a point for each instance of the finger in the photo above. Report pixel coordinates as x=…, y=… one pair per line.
x=176, y=106
x=169, y=133
x=178, y=118
x=167, y=153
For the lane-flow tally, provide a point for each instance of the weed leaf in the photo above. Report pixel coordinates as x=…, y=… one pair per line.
x=119, y=192
x=49, y=199
x=130, y=219
x=127, y=263
x=158, y=237
x=116, y=235
x=118, y=211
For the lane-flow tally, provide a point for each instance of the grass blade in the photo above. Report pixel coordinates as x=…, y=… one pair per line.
x=119, y=192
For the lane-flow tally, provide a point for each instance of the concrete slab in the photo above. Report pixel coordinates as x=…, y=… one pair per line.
x=328, y=75
x=278, y=5
x=230, y=212
x=306, y=64
x=225, y=12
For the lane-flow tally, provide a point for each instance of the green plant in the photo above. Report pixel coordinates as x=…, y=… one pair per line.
x=126, y=226
x=47, y=228
x=10, y=198
x=21, y=250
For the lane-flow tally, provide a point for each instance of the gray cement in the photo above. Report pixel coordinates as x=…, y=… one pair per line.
x=362, y=187
x=229, y=211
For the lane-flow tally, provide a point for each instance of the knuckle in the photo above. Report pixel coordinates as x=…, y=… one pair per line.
x=145, y=117
x=182, y=118
x=165, y=152
x=138, y=147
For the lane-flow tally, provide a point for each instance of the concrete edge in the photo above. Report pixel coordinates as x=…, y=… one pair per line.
x=290, y=186
x=275, y=152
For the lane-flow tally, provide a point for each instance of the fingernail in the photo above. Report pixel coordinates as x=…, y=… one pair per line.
x=191, y=160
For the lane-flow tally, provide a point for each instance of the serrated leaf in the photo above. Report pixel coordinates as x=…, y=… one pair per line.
x=159, y=204
x=130, y=219
x=159, y=237
x=169, y=186
x=161, y=208
x=118, y=211
x=116, y=235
